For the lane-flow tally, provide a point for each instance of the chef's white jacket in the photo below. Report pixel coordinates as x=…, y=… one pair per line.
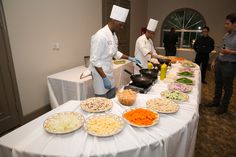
x=142, y=47
x=104, y=46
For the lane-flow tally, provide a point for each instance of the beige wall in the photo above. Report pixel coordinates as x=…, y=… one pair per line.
x=138, y=19
x=33, y=26
x=214, y=12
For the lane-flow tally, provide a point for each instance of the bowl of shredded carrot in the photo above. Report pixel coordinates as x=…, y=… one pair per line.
x=141, y=117
x=174, y=59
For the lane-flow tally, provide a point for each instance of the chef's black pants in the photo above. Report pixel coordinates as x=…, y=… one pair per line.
x=224, y=78
x=110, y=94
x=202, y=59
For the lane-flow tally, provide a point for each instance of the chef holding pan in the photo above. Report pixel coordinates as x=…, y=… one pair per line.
x=104, y=46
x=144, y=48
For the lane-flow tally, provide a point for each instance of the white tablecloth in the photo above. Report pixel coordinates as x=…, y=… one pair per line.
x=187, y=53
x=67, y=85
x=174, y=136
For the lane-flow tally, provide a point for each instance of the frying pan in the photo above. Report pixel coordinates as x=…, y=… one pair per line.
x=148, y=72
x=166, y=61
x=140, y=80
x=157, y=66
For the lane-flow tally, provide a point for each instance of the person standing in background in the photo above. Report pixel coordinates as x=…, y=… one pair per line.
x=170, y=40
x=144, y=48
x=104, y=46
x=203, y=46
x=225, y=67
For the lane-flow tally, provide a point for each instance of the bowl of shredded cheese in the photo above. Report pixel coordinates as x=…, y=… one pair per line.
x=103, y=125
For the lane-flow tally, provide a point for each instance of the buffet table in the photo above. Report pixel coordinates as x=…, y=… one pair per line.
x=174, y=136
x=187, y=53
x=67, y=85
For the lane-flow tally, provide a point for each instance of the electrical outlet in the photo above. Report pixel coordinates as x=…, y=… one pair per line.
x=56, y=46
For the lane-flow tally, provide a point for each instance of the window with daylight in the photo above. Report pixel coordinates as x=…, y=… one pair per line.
x=188, y=24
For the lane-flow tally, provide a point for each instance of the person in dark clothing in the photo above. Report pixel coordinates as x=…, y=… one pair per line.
x=225, y=67
x=203, y=46
x=170, y=40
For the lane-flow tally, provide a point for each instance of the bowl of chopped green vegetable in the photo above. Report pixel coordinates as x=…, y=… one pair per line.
x=185, y=81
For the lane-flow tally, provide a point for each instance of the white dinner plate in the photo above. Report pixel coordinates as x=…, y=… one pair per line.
x=156, y=121
x=63, y=122
x=103, y=125
x=96, y=104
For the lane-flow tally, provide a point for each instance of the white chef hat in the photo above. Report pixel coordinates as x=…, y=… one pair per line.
x=119, y=13
x=152, y=25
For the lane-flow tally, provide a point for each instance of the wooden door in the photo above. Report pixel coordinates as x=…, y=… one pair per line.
x=9, y=99
x=123, y=35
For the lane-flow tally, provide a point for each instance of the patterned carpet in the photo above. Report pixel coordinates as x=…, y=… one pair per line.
x=216, y=133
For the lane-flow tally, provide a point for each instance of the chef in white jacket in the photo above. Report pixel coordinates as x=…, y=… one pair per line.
x=104, y=46
x=144, y=48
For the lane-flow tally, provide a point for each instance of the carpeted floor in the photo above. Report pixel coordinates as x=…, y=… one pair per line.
x=216, y=133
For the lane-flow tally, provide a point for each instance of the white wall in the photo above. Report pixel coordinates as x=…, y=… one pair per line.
x=33, y=26
x=138, y=19
x=214, y=12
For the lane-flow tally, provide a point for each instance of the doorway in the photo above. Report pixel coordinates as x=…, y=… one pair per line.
x=124, y=35
x=10, y=108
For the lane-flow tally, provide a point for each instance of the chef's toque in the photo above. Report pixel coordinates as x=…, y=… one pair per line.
x=119, y=13
x=152, y=25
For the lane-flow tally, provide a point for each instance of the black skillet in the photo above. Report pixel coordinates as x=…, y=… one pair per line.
x=140, y=80
x=148, y=72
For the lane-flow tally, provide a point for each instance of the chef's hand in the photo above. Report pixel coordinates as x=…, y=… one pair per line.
x=135, y=60
x=106, y=83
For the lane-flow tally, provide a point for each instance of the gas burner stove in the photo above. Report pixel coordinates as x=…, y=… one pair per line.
x=154, y=81
x=138, y=89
